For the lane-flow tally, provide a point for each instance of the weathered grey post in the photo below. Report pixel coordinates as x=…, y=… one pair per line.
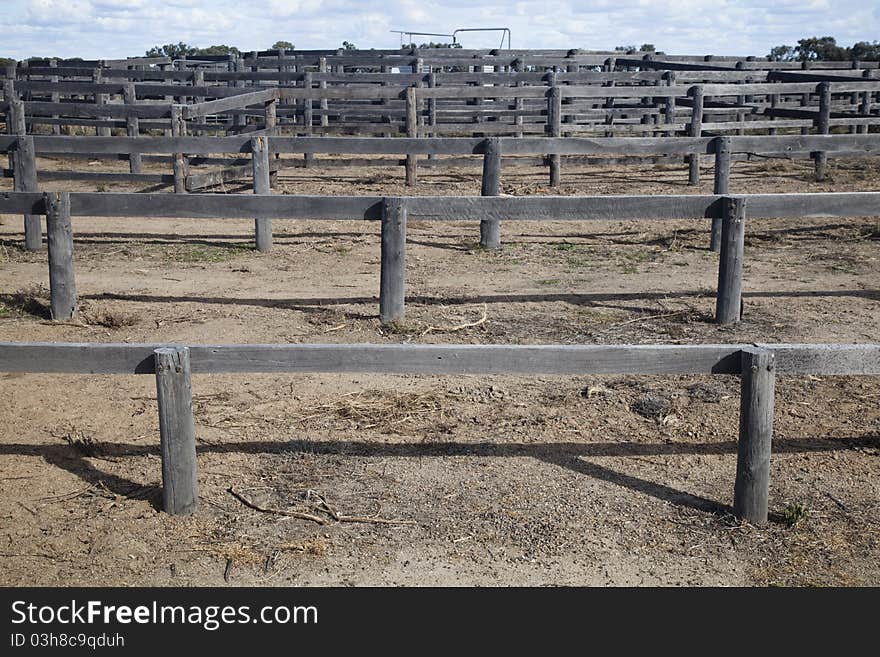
x=490, y=229
x=59, y=234
x=177, y=435
x=752, y=488
x=669, y=109
x=774, y=101
x=178, y=162
x=392, y=281
x=322, y=68
x=101, y=99
x=411, y=131
x=822, y=127
x=865, y=105
x=260, y=162
x=722, y=185
x=728, y=306
x=554, y=118
x=133, y=129
x=24, y=173
x=55, y=97
x=308, y=108
x=432, y=109
x=695, y=129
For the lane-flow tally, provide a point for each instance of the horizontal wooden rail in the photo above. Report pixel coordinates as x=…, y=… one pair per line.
x=132, y=358
x=449, y=208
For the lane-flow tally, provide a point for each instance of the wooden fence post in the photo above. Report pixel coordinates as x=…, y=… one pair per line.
x=822, y=127
x=669, y=109
x=490, y=229
x=260, y=162
x=554, y=118
x=722, y=185
x=392, y=282
x=132, y=125
x=695, y=129
x=101, y=99
x=24, y=173
x=178, y=162
x=432, y=109
x=728, y=306
x=308, y=107
x=752, y=488
x=322, y=68
x=177, y=436
x=411, y=131
x=55, y=97
x=59, y=236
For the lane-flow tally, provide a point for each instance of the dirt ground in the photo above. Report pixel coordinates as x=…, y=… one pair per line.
x=495, y=480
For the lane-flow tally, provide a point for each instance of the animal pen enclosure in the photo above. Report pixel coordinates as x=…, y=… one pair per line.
x=144, y=157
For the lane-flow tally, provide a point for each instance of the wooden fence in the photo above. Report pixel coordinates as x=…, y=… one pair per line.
x=190, y=151
x=757, y=366
x=727, y=212
x=385, y=106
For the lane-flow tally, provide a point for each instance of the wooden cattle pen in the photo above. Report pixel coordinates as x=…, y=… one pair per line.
x=208, y=121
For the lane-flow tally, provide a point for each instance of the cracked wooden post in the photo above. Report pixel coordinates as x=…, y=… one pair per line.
x=308, y=118
x=490, y=229
x=722, y=185
x=24, y=172
x=133, y=129
x=695, y=129
x=177, y=438
x=822, y=127
x=728, y=306
x=752, y=488
x=392, y=281
x=411, y=131
x=554, y=120
x=260, y=162
x=178, y=161
x=59, y=234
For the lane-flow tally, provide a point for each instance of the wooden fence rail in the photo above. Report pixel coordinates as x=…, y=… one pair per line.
x=757, y=365
x=393, y=213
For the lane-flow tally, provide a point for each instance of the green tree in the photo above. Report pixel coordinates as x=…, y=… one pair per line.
x=868, y=51
x=173, y=50
x=278, y=45
x=348, y=45
x=782, y=54
x=820, y=49
x=647, y=47
x=217, y=50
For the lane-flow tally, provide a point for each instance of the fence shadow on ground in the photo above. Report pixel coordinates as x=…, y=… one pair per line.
x=566, y=455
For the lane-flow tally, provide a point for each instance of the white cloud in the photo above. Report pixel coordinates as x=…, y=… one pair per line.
x=118, y=28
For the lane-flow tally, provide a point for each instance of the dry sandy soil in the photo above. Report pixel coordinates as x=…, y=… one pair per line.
x=500, y=480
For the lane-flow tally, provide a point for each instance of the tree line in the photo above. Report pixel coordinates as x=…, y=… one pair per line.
x=825, y=49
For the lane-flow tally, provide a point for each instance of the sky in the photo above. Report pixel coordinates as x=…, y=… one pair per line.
x=110, y=29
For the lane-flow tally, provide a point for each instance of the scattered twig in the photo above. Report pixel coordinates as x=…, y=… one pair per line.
x=280, y=512
x=650, y=317
x=336, y=328
x=458, y=327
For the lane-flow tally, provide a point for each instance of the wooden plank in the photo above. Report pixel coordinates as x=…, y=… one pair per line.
x=128, y=358
x=238, y=101
x=752, y=487
x=180, y=491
